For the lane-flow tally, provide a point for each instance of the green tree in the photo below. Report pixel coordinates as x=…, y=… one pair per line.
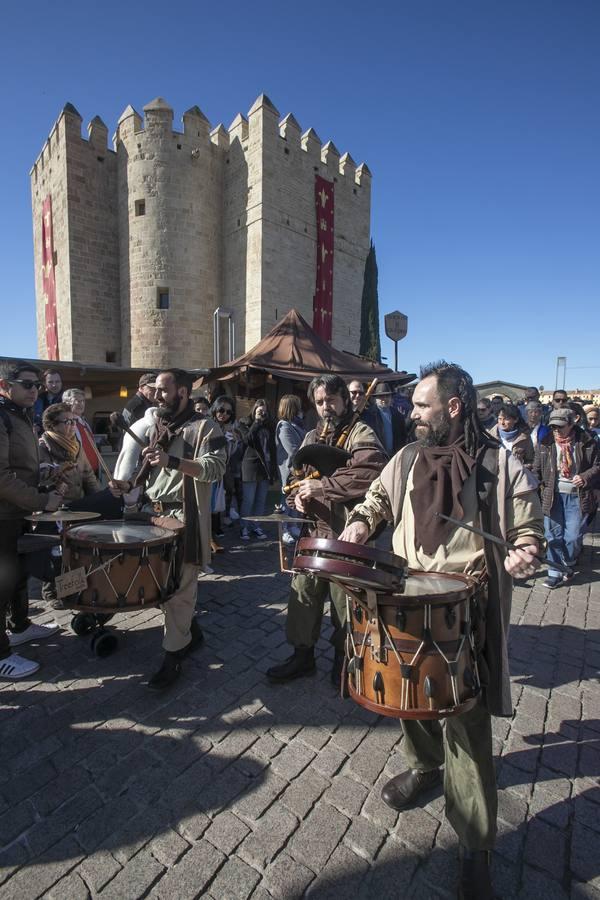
x=370, y=344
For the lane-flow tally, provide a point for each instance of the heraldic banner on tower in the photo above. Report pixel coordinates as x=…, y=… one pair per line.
x=48, y=281
x=323, y=299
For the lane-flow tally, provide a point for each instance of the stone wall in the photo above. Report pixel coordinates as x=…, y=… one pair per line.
x=216, y=217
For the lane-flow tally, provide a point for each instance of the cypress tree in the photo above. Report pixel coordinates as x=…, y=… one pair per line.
x=370, y=345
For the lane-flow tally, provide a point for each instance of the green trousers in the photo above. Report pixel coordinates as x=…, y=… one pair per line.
x=305, y=611
x=464, y=745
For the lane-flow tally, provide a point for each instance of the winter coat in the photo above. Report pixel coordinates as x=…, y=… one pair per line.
x=288, y=437
x=80, y=480
x=19, y=463
x=255, y=464
x=522, y=447
x=587, y=459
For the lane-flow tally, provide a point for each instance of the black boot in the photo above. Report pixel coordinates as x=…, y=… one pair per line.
x=403, y=790
x=168, y=673
x=475, y=878
x=299, y=664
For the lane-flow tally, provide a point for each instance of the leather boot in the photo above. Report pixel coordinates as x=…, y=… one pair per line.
x=298, y=665
x=475, y=879
x=168, y=673
x=403, y=790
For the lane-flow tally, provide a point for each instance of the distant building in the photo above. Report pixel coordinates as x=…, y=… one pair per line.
x=136, y=247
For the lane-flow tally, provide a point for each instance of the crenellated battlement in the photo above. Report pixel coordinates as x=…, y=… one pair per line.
x=204, y=216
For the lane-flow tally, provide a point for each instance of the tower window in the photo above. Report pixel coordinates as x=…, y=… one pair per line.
x=162, y=301
x=140, y=207
x=111, y=356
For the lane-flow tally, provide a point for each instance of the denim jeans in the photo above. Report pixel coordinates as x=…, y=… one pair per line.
x=253, y=501
x=563, y=531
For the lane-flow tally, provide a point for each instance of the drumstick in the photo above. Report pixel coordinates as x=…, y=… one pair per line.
x=119, y=421
x=502, y=543
x=101, y=462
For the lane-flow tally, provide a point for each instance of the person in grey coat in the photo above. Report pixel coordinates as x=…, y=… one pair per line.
x=289, y=434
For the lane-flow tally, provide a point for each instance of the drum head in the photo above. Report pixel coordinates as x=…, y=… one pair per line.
x=432, y=587
x=112, y=534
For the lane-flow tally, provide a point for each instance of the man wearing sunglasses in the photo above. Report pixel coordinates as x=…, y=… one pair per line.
x=19, y=494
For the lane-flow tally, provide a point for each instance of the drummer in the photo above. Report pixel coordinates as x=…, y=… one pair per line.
x=189, y=456
x=456, y=468
x=327, y=500
x=19, y=494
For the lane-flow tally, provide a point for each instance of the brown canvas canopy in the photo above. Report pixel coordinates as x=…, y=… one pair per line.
x=292, y=350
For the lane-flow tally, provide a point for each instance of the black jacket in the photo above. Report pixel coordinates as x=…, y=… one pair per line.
x=136, y=408
x=256, y=464
x=587, y=457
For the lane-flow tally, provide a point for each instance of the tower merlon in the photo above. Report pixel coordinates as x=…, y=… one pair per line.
x=263, y=102
x=289, y=128
x=98, y=133
x=330, y=155
x=220, y=136
x=158, y=113
x=239, y=129
x=311, y=142
x=363, y=175
x=347, y=165
x=195, y=122
x=129, y=121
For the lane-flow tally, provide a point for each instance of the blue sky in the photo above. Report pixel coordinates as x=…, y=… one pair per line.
x=478, y=119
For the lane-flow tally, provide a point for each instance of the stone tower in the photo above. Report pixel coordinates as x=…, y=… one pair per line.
x=151, y=237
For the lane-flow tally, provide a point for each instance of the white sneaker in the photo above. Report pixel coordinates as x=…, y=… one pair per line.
x=15, y=666
x=245, y=534
x=32, y=633
x=234, y=514
x=288, y=538
x=206, y=570
x=260, y=534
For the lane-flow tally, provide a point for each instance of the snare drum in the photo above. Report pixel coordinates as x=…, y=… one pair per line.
x=350, y=564
x=412, y=656
x=128, y=566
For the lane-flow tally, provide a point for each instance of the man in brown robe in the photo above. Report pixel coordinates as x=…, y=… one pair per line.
x=456, y=469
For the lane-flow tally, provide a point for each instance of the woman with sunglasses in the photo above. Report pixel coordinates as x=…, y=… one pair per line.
x=223, y=412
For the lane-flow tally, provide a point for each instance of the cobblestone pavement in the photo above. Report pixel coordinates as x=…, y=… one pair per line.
x=228, y=787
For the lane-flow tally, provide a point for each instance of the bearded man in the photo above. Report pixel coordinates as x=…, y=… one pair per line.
x=327, y=500
x=455, y=468
x=185, y=454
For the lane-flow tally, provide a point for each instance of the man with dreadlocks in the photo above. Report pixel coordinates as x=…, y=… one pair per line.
x=327, y=500
x=455, y=468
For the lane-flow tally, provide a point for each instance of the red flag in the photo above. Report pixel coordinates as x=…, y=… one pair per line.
x=323, y=299
x=48, y=281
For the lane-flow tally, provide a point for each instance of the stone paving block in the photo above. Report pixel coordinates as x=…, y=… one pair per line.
x=366, y=767
x=235, y=881
x=303, y=793
x=585, y=853
x=192, y=825
x=537, y=886
x=318, y=836
x=417, y=829
x=545, y=848
x=268, y=746
x=292, y=760
x=269, y=837
x=226, y=832
x=376, y=810
x=22, y=786
x=258, y=797
x=97, y=869
x=392, y=875
x=167, y=847
x=191, y=875
x=314, y=736
x=346, y=795
x=135, y=879
x=349, y=735
x=17, y=820
x=69, y=816
x=71, y=887
x=223, y=788
x=102, y=823
x=287, y=879
x=341, y=876
x=364, y=838
x=511, y=807
x=60, y=789
x=561, y=758
x=506, y=878
x=581, y=891
x=329, y=761
x=11, y=858
x=31, y=882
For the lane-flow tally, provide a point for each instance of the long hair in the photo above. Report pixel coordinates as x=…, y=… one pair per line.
x=453, y=381
x=289, y=407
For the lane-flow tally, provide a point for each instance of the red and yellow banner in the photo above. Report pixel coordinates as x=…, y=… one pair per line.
x=323, y=299
x=49, y=281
